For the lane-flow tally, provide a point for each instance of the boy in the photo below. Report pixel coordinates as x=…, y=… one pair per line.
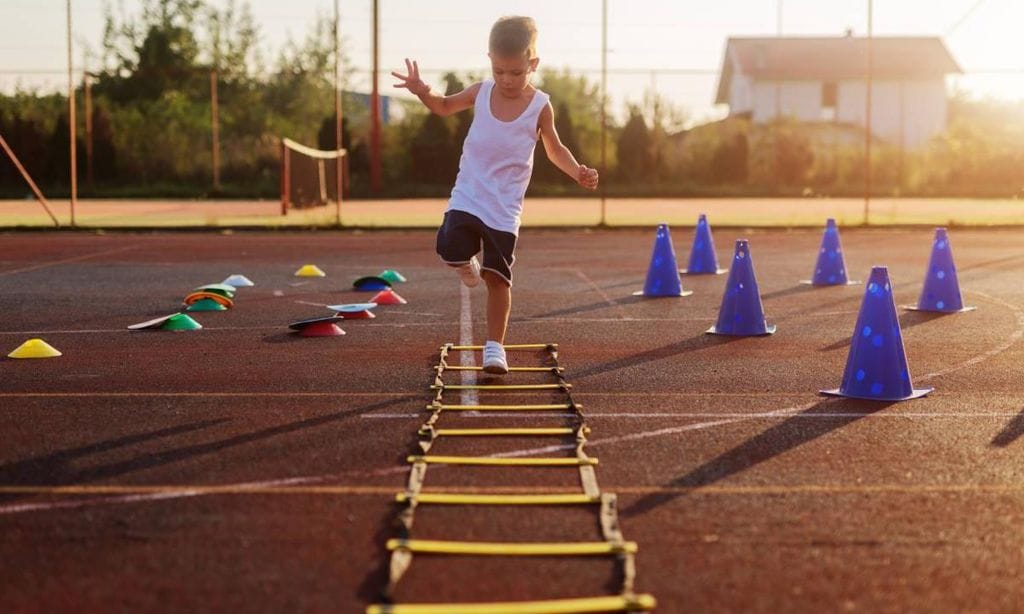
x=495, y=169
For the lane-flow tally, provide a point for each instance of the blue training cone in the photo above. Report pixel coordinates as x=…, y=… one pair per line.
x=876, y=368
x=941, y=292
x=741, y=313
x=830, y=269
x=703, y=259
x=663, y=273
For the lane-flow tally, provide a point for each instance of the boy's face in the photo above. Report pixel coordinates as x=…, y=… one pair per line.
x=512, y=73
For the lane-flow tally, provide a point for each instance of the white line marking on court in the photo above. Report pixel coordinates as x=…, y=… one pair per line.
x=748, y=416
x=672, y=430
x=284, y=395
x=36, y=267
x=17, y=508
x=786, y=413
x=999, y=349
x=602, y=293
x=392, y=312
x=416, y=313
x=466, y=358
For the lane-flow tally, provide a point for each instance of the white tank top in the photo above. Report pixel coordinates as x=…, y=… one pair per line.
x=496, y=163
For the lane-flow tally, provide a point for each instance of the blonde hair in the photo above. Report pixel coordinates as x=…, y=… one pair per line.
x=512, y=36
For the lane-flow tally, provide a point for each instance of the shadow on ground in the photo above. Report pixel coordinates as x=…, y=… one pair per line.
x=58, y=468
x=1010, y=433
x=792, y=433
x=693, y=344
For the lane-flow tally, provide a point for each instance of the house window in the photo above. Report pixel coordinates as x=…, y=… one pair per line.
x=828, y=101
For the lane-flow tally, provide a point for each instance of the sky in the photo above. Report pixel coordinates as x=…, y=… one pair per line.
x=672, y=46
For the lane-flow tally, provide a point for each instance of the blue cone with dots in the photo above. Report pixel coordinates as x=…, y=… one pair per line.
x=830, y=269
x=741, y=313
x=663, y=273
x=941, y=292
x=703, y=259
x=876, y=368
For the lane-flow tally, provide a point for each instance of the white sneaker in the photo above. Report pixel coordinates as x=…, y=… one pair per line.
x=469, y=273
x=494, y=359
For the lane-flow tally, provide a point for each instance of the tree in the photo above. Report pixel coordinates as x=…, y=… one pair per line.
x=582, y=100
x=326, y=136
x=544, y=171
x=104, y=154
x=634, y=148
x=461, y=121
x=432, y=153
x=729, y=162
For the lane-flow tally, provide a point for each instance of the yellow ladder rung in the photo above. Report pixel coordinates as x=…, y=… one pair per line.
x=511, y=462
x=427, y=546
x=517, y=369
x=501, y=387
x=562, y=406
x=584, y=605
x=507, y=431
x=521, y=346
x=444, y=498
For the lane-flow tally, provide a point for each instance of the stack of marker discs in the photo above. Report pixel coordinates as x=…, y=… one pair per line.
x=371, y=283
x=354, y=311
x=381, y=284
x=318, y=327
x=238, y=281
x=393, y=276
x=211, y=297
x=175, y=322
x=310, y=270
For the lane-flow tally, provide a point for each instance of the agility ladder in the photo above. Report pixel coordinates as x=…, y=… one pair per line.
x=614, y=545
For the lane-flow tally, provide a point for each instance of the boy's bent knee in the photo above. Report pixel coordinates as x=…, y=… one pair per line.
x=494, y=280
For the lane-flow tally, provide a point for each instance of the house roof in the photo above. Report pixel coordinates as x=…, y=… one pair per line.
x=834, y=59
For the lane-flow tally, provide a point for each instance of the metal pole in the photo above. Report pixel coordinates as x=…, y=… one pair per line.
x=87, y=86
x=72, y=123
x=604, y=110
x=286, y=169
x=867, y=123
x=337, y=112
x=778, y=99
x=215, y=129
x=375, y=105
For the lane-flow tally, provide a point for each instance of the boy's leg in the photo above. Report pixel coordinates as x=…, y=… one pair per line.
x=458, y=240
x=499, y=306
x=499, y=255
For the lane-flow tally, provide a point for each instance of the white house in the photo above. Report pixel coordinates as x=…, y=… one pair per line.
x=824, y=80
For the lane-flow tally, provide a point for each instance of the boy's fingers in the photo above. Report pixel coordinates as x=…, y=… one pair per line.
x=408, y=66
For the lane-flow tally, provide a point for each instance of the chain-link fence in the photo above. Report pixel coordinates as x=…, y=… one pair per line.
x=188, y=99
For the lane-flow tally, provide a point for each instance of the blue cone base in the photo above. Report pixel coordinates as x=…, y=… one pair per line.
x=917, y=308
x=715, y=272
x=682, y=293
x=769, y=330
x=916, y=394
x=810, y=282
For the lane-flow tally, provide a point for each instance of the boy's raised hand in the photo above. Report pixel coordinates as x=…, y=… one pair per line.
x=587, y=177
x=411, y=81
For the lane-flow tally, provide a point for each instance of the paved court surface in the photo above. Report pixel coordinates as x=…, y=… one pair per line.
x=242, y=468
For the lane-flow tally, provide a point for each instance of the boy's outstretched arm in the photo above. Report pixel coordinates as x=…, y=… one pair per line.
x=442, y=105
x=560, y=155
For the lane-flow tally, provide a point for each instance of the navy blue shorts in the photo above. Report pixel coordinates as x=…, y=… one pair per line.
x=461, y=236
